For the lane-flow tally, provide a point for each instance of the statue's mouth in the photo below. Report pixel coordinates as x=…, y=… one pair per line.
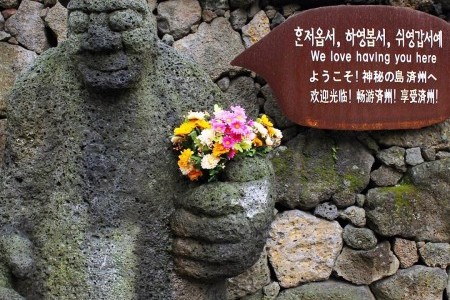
x=110, y=70
x=105, y=62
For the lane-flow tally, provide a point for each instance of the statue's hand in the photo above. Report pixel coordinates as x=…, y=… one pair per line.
x=221, y=227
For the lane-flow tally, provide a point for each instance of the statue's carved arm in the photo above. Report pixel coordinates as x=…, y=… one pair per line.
x=221, y=227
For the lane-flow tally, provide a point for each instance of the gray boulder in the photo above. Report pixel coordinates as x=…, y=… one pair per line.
x=252, y=280
x=415, y=283
x=303, y=174
x=238, y=18
x=13, y=59
x=327, y=290
x=256, y=29
x=28, y=27
x=436, y=254
x=271, y=291
x=9, y=3
x=436, y=135
x=366, y=266
x=393, y=157
x=206, y=47
x=317, y=165
x=442, y=155
x=386, y=176
x=359, y=238
x=406, y=252
x=429, y=154
x=56, y=20
x=355, y=215
x=327, y=211
x=303, y=248
x=344, y=199
x=414, y=156
x=418, y=208
x=176, y=17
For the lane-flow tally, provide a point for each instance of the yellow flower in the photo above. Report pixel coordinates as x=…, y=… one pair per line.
x=185, y=128
x=219, y=149
x=265, y=121
x=202, y=124
x=184, y=159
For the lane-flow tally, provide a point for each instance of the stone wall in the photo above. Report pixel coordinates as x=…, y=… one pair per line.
x=359, y=215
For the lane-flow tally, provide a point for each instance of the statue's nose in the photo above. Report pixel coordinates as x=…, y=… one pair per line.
x=101, y=38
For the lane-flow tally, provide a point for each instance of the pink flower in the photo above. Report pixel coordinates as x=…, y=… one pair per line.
x=239, y=113
x=224, y=115
x=228, y=142
x=238, y=127
x=218, y=125
x=231, y=154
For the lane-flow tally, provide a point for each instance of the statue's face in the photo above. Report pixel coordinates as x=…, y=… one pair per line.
x=112, y=37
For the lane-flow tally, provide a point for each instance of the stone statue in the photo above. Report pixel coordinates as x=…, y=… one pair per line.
x=92, y=205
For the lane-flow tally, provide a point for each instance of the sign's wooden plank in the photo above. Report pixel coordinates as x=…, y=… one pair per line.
x=357, y=67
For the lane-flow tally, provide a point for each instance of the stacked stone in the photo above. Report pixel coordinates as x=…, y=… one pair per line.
x=359, y=215
x=27, y=28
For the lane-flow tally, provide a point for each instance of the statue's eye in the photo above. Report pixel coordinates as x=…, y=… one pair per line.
x=78, y=21
x=125, y=20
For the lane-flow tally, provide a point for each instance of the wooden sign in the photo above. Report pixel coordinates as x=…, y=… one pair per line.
x=357, y=67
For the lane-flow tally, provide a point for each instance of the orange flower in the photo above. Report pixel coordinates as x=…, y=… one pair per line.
x=195, y=174
x=219, y=149
x=257, y=142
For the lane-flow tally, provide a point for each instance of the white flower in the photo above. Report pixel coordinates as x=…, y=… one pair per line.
x=187, y=170
x=217, y=108
x=250, y=137
x=209, y=162
x=176, y=139
x=196, y=115
x=207, y=137
x=261, y=129
x=277, y=133
x=269, y=141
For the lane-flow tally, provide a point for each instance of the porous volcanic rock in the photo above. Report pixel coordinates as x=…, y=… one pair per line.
x=28, y=27
x=303, y=248
x=175, y=17
x=332, y=290
x=415, y=283
x=418, y=208
x=366, y=266
x=207, y=47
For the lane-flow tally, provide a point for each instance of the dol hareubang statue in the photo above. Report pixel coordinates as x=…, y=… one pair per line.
x=92, y=205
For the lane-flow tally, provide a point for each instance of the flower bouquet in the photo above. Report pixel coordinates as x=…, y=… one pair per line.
x=205, y=144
